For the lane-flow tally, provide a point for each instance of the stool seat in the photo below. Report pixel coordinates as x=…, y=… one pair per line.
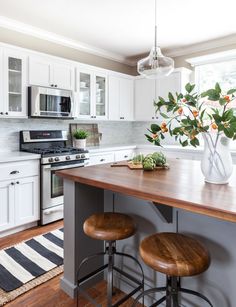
x=109, y=226
x=174, y=254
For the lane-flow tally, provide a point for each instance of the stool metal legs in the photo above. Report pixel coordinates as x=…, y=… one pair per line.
x=172, y=290
x=110, y=251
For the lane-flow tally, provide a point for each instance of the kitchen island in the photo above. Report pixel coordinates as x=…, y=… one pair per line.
x=204, y=210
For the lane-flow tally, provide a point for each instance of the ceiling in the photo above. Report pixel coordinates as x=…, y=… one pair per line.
x=125, y=28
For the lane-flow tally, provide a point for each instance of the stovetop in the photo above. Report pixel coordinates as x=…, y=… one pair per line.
x=57, y=150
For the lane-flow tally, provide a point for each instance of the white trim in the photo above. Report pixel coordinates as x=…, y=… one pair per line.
x=201, y=46
x=213, y=58
x=27, y=29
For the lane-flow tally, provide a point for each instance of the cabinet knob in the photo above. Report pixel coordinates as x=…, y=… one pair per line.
x=1, y=113
x=6, y=113
x=153, y=117
x=125, y=156
x=95, y=117
x=14, y=172
x=55, y=85
x=122, y=118
x=12, y=183
x=52, y=85
x=17, y=182
x=102, y=160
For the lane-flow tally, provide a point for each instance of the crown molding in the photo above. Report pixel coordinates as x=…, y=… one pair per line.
x=27, y=29
x=203, y=46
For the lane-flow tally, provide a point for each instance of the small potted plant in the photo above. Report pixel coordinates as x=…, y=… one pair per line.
x=80, y=137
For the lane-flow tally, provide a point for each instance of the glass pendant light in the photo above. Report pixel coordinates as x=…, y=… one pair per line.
x=156, y=64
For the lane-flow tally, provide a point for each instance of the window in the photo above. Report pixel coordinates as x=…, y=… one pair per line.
x=223, y=72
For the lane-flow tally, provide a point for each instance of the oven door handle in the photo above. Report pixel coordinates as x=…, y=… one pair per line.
x=57, y=168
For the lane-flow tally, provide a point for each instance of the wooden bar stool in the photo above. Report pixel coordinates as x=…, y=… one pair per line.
x=110, y=227
x=175, y=255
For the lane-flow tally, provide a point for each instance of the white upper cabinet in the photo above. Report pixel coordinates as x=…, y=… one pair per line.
x=121, y=98
x=91, y=96
x=50, y=73
x=147, y=90
x=14, y=101
x=63, y=76
x=144, y=95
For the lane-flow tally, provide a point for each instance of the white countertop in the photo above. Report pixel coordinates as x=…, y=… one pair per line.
x=14, y=156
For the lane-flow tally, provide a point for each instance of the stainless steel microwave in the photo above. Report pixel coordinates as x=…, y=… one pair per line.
x=50, y=102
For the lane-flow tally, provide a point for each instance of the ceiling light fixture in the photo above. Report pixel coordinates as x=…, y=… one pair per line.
x=156, y=64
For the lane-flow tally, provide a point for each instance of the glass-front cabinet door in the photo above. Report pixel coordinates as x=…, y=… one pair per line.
x=91, y=95
x=100, y=96
x=85, y=97
x=15, y=84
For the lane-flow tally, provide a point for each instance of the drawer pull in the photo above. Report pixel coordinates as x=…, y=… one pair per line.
x=14, y=172
x=102, y=160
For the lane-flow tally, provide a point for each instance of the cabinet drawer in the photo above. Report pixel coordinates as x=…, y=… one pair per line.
x=121, y=155
x=15, y=170
x=101, y=158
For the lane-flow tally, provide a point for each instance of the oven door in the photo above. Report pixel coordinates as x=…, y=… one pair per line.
x=52, y=185
x=48, y=102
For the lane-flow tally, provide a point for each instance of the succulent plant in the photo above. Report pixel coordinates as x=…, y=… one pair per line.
x=159, y=158
x=138, y=159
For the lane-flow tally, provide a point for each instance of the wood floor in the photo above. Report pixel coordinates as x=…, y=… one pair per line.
x=49, y=294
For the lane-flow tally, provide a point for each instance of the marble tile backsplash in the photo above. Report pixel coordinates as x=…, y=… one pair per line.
x=112, y=132
x=122, y=133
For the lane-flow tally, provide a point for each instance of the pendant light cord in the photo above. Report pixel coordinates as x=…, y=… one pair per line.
x=155, y=43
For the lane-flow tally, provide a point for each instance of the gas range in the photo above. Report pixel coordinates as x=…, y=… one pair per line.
x=51, y=145
x=55, y=155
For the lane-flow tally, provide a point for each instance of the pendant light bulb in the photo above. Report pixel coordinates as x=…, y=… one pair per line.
x=155, y=64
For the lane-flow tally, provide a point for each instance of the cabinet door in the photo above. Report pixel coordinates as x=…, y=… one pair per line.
x=84, y=97
x=100, y=97
x=144, y=98
x=26, y=200
x=172, y=84
x=6, y=205
x=114, y=98
x=63, y=76
x=14, y=83
x=101, y=158
x=126, y=99
x=2, y=105
x=40, y=72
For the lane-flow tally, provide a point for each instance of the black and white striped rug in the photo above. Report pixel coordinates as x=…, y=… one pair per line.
x=30, y=259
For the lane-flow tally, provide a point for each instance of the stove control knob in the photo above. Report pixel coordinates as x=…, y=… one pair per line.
x=50, y=160
x=57, y=159
x=67, y=157
x=83, y=156
x=78, y=157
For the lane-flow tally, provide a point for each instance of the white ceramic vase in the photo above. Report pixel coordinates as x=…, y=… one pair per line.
x=80, y=143
x=216, y=164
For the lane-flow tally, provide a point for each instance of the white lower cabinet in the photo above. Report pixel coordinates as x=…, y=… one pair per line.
x=19, y=195
x=26, y=200
x=101, y=158
x=121, y=155
x=6, y=205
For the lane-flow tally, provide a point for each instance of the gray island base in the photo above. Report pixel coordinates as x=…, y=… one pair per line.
x=82, y=200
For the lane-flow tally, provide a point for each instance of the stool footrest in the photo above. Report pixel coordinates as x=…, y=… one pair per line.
x=92, y=274
x=127, y=275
